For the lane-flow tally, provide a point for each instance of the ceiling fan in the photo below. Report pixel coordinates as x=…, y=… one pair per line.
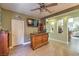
x=44, y=6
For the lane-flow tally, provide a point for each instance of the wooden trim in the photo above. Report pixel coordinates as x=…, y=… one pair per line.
x=63, y=11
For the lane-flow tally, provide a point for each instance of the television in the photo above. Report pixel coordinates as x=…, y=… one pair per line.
x=32, y=22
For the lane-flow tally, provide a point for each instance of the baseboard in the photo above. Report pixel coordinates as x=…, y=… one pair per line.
x=26, y=43
x=22, y=44
x=60, y=41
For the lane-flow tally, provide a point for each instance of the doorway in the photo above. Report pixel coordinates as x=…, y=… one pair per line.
x=17, y=32
x=70, y=29
x=73, y=33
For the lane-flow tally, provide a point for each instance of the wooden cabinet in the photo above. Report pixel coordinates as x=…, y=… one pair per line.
x=44, y=38
x=38, y=40
x=4, y=49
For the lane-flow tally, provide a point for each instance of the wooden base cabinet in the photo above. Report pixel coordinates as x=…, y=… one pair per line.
x=38, y=40
x=4, y=49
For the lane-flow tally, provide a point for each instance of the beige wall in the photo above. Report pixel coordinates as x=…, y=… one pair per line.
x=54, y=35
x=6, y=23
x=62, y=37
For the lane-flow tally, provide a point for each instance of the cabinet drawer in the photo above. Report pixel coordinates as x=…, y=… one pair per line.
x=38, y=40
x=44, y=36
x=1, y=51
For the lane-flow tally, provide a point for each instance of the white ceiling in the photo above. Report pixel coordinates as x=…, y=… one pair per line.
x=26, y=8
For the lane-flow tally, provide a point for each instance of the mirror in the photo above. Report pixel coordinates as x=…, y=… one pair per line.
x=60, y=26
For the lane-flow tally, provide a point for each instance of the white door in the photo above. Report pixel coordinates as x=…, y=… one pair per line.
x=17, y=32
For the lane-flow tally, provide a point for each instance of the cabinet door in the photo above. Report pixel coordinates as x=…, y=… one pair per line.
x=38, y=40
x=1, y=46
x=5, y=43
x=33, y=41
x=45, y=38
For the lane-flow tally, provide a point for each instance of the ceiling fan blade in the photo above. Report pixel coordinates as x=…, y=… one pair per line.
x=47, y=10
x=35, y=9
x=41, y=4
x=52, y=4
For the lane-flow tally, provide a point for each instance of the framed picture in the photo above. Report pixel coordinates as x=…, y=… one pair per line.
x=32, y=22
